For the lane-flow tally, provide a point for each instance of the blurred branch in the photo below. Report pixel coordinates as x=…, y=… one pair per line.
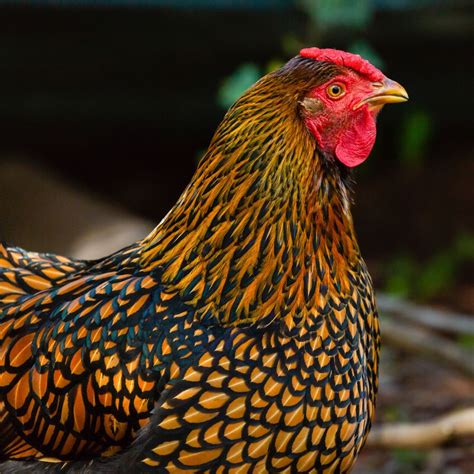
x=413, y=339
x=459, y=424
x=430, y=317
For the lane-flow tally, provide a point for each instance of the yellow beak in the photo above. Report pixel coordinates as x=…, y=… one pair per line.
x=386, y=92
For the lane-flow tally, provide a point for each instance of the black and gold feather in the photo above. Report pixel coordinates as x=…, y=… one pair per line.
x=240, y=336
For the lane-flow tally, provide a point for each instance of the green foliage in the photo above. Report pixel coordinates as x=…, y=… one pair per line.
x=401, y=271
x=291, y=45
x=394, y=413
x=333, y=13
x=417, y=130
x=238, y=82
x=464, y=247
x=410, y=461
x=466, y=341
x=438, y=273
x=410, y=279
x=363, y=48
x=241, y=79
x=273, y=65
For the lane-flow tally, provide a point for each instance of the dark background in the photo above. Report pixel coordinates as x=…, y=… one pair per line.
x=115, y=102
x=121, y=99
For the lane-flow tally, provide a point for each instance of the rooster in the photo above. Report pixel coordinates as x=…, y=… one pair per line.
x=241, y=335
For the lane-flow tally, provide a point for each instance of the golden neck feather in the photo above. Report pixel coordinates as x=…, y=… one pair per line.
x=263, y=230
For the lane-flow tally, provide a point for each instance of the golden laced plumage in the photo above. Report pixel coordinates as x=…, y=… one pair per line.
x=240, y=334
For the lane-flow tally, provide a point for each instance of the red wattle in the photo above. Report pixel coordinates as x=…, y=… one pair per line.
x=356, y=142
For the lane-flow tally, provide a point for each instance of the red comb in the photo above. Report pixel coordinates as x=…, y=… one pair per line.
x=341, y=58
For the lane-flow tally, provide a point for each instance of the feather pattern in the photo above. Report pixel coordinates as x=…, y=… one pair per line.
x=240, y=334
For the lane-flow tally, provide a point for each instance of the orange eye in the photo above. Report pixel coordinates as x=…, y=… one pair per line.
x=336, y=90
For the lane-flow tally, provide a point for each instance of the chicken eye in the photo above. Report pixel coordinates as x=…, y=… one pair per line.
x=336, y=91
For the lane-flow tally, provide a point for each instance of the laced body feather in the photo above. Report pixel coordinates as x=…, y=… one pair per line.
x=240, y=334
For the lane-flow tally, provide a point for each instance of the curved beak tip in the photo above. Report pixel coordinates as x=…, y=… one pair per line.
x=393, y=90
x=386, y=92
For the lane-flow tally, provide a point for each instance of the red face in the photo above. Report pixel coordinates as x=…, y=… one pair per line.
x=341, y=114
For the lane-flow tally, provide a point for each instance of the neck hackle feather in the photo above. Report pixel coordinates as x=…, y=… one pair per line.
x=264, y=230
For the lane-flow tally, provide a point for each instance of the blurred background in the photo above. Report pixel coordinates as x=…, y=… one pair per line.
x=107, y=106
